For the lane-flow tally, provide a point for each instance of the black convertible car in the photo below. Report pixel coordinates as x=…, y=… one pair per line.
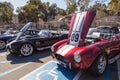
x=26, y=45
x=8, y=36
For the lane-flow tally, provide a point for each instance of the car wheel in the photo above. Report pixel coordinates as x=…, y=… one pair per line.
x=99, y=66
x=2, y=44
x=26, y=49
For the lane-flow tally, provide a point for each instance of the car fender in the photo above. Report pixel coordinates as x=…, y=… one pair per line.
x=57, y=44
x=4, y=40
x=89, y=55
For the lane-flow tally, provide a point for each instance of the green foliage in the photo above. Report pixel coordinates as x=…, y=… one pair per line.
x=114, y=6
x=48, y=11
x=29, y=12
x=6, y=10
x=72, y=6
x=35, y=9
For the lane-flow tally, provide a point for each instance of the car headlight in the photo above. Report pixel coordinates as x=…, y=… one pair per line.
x=77, y=58
x=52, y=48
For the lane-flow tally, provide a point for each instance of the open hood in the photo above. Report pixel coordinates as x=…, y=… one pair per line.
x=79, y=26
x=23, y=30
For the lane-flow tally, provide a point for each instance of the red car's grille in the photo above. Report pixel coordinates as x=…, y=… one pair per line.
x=61, y=58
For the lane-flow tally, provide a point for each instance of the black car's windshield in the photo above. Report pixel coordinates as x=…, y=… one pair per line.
x=23, y=30
x=28, y=25
x=45, y=33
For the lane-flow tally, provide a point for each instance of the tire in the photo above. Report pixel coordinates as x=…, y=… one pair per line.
x=2, y=44
x=99, y=66
x=26, y=49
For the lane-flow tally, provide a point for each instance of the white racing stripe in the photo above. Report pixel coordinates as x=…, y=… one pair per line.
x=82, y=20
x=14, y=69
x=77, y=28
x=80, y=23
x=67, y=50
x=62, y=49
x=118, y=66
x=76, y=21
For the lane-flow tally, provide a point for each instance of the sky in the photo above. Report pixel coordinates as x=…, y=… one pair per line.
x=19, y=3
x=60, y=3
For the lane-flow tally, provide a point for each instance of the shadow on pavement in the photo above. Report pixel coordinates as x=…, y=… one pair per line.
x=33, y=58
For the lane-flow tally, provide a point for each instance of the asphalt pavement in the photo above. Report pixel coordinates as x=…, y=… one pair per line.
x=28, y=68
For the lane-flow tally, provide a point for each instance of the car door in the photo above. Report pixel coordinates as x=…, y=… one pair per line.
x=42, y=42
x=114, y=47
x=45, y=42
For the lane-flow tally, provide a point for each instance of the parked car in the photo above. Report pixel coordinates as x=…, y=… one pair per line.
x=9, y=36
x=26, y=45
x=87, y=52
x=5, y=37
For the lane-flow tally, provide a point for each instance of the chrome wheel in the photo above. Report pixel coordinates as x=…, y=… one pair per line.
x=26, y=49
x=102, y=64
x=2, y=44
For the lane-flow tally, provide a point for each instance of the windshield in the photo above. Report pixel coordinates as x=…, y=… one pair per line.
x=28, y=25
x=24, y=29
x=100, y=32
x=45, y=33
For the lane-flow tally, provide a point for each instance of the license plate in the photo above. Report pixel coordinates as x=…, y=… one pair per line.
x=63, y=64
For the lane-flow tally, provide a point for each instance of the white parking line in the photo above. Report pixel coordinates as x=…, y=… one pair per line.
x=12, y=70
x=23, y=78
x=118, y=65
x=1, y=62
x=77, y=76
x=35, y=75
x=3, y=54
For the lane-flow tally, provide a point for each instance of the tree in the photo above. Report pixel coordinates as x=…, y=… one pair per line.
x=114, y=6
x=72, y=6
x=83, y=4
x=49, y=11
x=29, y=12
x=101, y=6
x=61, y=11
x=6, y=10
x=35, y=9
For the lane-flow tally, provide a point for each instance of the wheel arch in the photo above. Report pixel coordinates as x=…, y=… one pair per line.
x=4, y=40
x=89, y=55
x=93, y=66
x=27, y=42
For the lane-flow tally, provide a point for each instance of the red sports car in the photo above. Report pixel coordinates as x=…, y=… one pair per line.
x=87, y=52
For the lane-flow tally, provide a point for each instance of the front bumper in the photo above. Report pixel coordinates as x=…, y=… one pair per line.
x=64, y=62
